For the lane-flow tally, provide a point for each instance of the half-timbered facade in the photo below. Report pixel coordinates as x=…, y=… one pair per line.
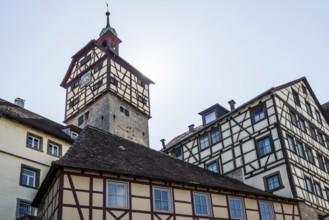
x=105, y=91
x=28, y=145
x=106, y=177
x=278, y=141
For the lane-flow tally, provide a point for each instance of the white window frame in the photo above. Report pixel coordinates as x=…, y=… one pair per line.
x=270, y=206
x=34, y=177
x=53, y=146
x=202, y=146
x=31, y=211
x=126, y=196
x=33, y=138
x=207, y=196
x=212, y=164
x=242, y=208
x=170, y=201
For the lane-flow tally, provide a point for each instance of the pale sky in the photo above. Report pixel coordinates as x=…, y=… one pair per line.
x=198, y=53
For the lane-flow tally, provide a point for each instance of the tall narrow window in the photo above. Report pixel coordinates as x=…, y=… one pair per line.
x=313, y=134
x=318, y=189
x=309, y=108
x=309, y=154
x=80, y=120
x=258, y=113
x=236, y=208
x=201, y=204
x=204, y=142
x=302, y=125
x=296, y=97
x=117, y=195
x=321, y=162
x=320, y=138
x=291, y=143
x=300, y=148
x=264, y=146
x=309, y=185
x=293, y=118
x=215, y=136
x=318, y=116
x=162, y=200
x=327, y=165
x=266, y=211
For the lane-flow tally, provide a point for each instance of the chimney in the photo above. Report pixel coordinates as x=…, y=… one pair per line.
x=20, y=102
x=232, y=104
x=191, y=128
x=163, y=143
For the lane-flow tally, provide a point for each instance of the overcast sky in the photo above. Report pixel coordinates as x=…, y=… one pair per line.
x=198, y=53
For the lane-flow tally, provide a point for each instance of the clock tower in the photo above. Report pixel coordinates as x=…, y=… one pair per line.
x=105, y=91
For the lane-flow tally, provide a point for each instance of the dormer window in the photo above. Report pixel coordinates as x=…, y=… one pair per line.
x=210, y=117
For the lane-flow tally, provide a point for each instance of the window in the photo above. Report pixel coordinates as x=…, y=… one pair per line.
x=327, y=165
x=258, y=113
x=210, y=117
x=309, y=185
x=321, y=162
x=215, y=137
x=264, y=146
x=296, y=97
x=162, y=200
x=54, y=149
x=74, y=135
x=320, y=138
x=85, y=60
x=309, y=154
x=304, y=89
x=29, y=176
x=204, y=142
x=24, y=208
x=266, y=211
x=293, y=118
x=313, y=134
x=309, y=108
x=117, y=195
x=327, y=142
x=34, y=142
x=201, y=204
x=213, y=167
x=318, y=190
x=142, y=100
x=73, y=102
x=97, y=85
x=141, y=83
x=318, y=116
x=302, y=125
x=124, y=110
x=98, y=67
x=80, y=120
x=74, y=85
x=327, y=193
x=236, y=208
x=113, y=81
x=178, y=153
x=291, y=143
x=273, y=182
x=300, y=148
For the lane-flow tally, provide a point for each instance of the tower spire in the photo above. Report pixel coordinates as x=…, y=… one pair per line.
x=108, y=26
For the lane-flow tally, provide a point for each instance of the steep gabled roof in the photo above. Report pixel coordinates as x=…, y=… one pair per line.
x=24, y=116
x=324, y=109
x=93, y=43
x=97, y=150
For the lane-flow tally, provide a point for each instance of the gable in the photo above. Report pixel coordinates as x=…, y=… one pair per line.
x=82, y=61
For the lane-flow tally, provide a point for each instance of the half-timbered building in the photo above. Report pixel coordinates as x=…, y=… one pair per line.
x=28, y=145
x=278, y=142
x=105, y=91
x=104, y=176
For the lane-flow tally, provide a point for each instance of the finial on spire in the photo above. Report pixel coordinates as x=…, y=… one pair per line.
x=108, y=15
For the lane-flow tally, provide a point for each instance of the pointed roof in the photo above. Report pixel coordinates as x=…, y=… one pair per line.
x=108, y=27
x=112, y=154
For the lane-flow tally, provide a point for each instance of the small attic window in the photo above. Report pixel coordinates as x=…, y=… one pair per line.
x=210, y=117
x=104, y=44
x=85, y=60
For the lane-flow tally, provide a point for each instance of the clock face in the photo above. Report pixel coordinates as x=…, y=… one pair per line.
x=85, y=79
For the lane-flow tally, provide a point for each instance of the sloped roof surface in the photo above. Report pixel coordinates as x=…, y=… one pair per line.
x=101, y=151
x=24, y=116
